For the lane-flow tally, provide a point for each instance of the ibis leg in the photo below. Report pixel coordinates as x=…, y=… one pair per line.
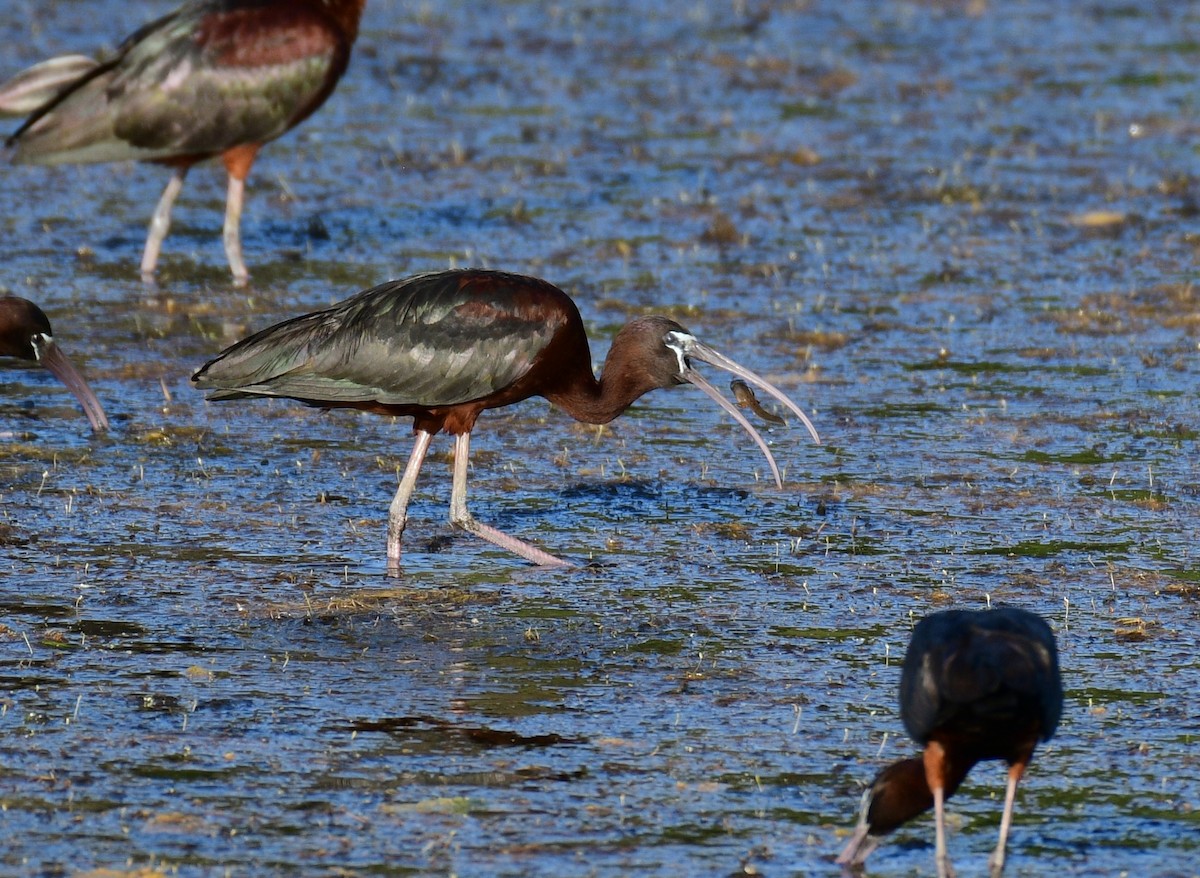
x=861, y=843
x=935, y=776
x=996, y=861
x=398, y=513
x=944, y=869
x=160, y=223
x=237, y=164
x=232, y=231
x=460, y=517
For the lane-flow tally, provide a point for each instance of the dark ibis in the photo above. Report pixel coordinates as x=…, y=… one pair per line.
x=443, y=347
x=975, y=686
x=25, y=334
x=213, y=78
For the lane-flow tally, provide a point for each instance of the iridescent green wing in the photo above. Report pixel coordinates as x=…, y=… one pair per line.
x=216, y=76
x=432, y=340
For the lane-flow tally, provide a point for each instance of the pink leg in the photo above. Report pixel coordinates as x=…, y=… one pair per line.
x=232, y=230
x=460, y=517
x=160, y=223
x=237, y=164
x=861, y=843
x=944, y=869
x=996, y=861
x=398, y=513
x=935, y=776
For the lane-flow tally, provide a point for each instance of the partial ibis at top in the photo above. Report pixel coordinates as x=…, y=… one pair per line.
x=213, y=78
x=975, y=686
x=441, y=348
x=25, y=334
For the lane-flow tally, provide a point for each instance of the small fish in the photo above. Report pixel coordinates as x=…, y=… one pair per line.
x=744, y=394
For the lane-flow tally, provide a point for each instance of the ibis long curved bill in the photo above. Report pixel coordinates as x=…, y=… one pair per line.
x=51, y=356
x=688, y=347
x=25, y=333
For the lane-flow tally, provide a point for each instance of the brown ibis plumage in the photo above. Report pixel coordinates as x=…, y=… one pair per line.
x=213, y=78
x=974, y=686
x=441, y=348
x=25, y=334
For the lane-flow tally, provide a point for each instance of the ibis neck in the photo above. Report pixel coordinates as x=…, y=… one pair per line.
x=621, y=383
x=598, y=402
x=901, y=792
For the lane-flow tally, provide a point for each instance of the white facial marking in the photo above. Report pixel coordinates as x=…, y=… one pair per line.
x=680, y=343
x=39, y=341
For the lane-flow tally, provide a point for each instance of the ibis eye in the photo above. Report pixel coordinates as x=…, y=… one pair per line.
x=680, y=343
x=39, y=342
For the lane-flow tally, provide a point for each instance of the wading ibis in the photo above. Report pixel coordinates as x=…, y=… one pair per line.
x=214, y=78
x=975, y=686
x=25, y=334
x=443, y=347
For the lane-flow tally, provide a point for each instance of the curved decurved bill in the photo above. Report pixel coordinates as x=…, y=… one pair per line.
x=700, y=351
x=36, y=86
x=692, y=376
x=52, y=357
x=687, y=346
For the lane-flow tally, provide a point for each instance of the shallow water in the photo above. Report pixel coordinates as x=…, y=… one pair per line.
x=962, y=235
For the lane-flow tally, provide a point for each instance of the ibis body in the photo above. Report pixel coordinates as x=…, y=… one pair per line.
x=975, y=685
x=215, y=78
x=444, y=347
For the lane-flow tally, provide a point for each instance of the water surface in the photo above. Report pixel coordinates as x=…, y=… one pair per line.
x=962, y=235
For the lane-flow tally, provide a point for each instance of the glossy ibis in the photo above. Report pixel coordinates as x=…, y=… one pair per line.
x=25, y=334
x=975, y=686
x=213, y=78
x=443, y=347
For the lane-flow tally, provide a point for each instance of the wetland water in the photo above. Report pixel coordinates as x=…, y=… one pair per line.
x=962, y=235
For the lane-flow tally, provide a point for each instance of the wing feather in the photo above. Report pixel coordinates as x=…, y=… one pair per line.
x=194, y=83
x=425, y=341
x=982, y=667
